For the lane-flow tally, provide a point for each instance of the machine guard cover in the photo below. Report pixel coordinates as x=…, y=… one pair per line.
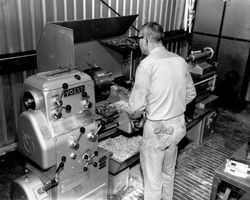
x=95, y=29
x=34, y=139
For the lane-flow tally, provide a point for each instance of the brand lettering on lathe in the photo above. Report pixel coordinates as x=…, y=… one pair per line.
x=74, y=90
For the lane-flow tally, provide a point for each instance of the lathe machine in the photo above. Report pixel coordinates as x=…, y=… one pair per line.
x=68, y=111
x=58, y=133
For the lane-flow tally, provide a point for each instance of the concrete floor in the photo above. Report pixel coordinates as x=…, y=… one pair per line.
x=11, y=167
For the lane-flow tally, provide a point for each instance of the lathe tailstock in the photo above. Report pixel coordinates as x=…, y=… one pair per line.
x=58, y=134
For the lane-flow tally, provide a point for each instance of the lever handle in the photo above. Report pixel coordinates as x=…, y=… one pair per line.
x=75, y=143
x=82, y=131
x=97, y=130
x=48, y=186
x=61, y=165
x=68, y=108
x=92, y=136
x=64, y=87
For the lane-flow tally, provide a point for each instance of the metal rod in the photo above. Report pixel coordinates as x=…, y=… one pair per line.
x=110, y=127
x=17, y=57
x=220, y=31
x=205, y=80
x=131, y=66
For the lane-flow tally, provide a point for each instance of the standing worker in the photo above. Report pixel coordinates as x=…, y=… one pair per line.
x=163, y=86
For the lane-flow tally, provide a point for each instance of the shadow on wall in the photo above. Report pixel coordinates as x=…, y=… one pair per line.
x=228, y=94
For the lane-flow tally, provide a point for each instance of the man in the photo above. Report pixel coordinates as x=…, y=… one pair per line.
x=163, y=86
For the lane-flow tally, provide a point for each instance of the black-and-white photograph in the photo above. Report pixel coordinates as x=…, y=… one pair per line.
x=125, y=99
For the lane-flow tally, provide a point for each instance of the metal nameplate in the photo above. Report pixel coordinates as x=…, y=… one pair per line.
x=74, y=90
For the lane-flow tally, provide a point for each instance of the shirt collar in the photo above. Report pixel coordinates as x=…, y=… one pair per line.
x=157, y=49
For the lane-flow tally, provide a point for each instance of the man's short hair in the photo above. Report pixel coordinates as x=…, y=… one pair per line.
x=153, y=31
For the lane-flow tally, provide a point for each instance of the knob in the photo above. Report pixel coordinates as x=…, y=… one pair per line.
x=82, y=130
x=93, y=136
x=58, y=103
x=85, y=157
x=77, y=77
x=90, y=105
x=61, y=165
x=59, y=115
x=84, y=94
x=29, y=100
x=65, y=86
x=26, y=171
x=73, y=156
x=63, y=159
x=56, y=114
x=87, y=104
x=95, y=164
x=85, y=169
x=68, y=108
x=76, y=146
x=96, y=153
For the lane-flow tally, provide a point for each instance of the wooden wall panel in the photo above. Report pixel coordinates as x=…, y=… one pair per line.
x=10, y=107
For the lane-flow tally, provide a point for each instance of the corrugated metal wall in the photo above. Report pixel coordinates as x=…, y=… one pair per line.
x=22, y=21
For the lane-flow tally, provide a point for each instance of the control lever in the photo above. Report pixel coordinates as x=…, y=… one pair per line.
x=67, y=108
x=85, y=102
x=57, y=113
x=92, y=136
x=90, y=161
x=65, y=87
x=75, y=144
x=60, y=167
x=54, y=182
x=48, y=186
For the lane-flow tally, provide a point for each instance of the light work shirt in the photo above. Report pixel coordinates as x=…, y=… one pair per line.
x=163, y=86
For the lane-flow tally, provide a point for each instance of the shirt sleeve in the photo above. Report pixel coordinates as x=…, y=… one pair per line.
x=191, y=91
x=138, y=97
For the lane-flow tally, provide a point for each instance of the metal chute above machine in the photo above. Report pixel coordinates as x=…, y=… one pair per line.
x=69, y=43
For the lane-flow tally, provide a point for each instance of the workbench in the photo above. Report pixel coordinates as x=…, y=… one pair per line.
x=235, y=181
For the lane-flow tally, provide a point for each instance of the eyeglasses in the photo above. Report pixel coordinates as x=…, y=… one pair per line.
x=138, y=38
